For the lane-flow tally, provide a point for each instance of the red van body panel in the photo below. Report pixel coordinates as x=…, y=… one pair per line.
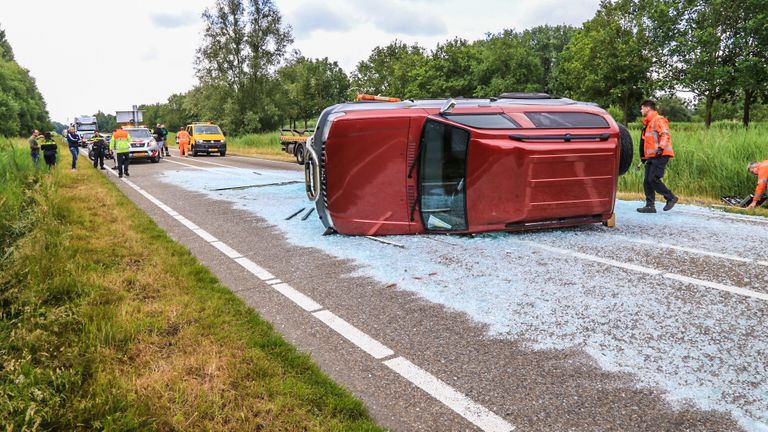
x=510, y=184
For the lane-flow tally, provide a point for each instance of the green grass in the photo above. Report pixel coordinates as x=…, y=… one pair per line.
x=108, y=324
x=708, y=163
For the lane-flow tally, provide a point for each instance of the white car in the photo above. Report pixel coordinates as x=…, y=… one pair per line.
x=143, y=144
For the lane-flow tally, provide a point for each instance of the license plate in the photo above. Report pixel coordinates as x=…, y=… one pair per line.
x=138, y=154
x=213, y=149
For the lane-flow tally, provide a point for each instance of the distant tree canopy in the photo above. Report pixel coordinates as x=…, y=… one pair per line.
x=630, y=50
x=22, y=108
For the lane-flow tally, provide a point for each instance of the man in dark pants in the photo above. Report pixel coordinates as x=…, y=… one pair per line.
x=73, y=140
x=121, y=143
x=656, y=151
x=99, y=147
x=49, y=148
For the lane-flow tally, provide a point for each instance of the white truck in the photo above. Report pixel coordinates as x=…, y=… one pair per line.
x=85, y=126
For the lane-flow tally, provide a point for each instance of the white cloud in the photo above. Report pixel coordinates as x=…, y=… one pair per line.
x=90, y=55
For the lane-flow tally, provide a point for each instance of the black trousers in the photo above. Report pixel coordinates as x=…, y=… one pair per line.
x=98, y=157
x=50, y=158
x=654, y=172
x=122, y=163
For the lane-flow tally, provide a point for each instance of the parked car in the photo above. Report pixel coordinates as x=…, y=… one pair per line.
x=207, y=138
x=143, y=144
x=520, y=161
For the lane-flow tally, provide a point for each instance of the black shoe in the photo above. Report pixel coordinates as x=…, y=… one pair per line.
x=647, y=209
x=102, y=168
x=127, y=175
x=670, y=203
x=119, y=176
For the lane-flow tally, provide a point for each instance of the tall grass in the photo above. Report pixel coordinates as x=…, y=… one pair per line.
x=108, y=324
x=25, y=187
x=708, y=163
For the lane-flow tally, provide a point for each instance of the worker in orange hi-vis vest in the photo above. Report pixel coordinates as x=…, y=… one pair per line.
x=656, y=151
x=183, y=138
x=760, y=169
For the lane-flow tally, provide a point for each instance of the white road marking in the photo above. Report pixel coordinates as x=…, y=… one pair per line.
x=654, y=272
x=205, y=235
x=255, y=269
x=226, y=250
x=597, y=259
x=366, y=343
x=461, y=404
x=691, y=250
x=297, y=297
x=464, y=406
x=743, y=218
x=273, y=281
x=715, y=285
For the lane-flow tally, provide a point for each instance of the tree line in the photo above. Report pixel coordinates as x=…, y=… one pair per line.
x=716, y=50
x=22, y=107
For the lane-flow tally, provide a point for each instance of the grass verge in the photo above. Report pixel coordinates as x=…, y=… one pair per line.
x=108, y=324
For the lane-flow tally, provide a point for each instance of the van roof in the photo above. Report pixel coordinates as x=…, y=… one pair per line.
x=503, y=101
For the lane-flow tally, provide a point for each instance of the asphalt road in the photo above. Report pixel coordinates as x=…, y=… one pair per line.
x=658, y=324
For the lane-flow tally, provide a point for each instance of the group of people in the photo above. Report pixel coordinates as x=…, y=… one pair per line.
x=161, y=137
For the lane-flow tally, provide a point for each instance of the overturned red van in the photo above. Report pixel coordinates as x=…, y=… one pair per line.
x=519, y=161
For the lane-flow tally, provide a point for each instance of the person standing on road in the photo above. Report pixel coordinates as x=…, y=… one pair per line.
x=183, y=138
x=122, y=146
x=73, y=140
x=760, y=169
x=49, y=148
x=158, y=133
x=34, y=146
x=656, y=151
x=99, y=148
x=165, y=139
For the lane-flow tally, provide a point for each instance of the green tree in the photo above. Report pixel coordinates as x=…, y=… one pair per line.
x=22, y=107
x=507, y=63
x=450, y=70
x=390, y=70
x=105, y=122
x=243, y=43
x=674, y=108
x=548, y=42
x=6, y=52
x=310, y=85
x=607, y=60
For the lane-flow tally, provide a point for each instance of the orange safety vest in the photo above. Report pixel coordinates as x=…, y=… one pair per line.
x=762, y=179
x=183, y=136
x=656, y=135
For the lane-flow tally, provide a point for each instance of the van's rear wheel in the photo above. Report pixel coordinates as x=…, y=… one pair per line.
x=626, y=150
x=300, y=154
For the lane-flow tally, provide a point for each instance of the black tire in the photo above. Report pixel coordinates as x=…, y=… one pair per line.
x=299, y=152
x=91, y=155
x=626, y=150
x=155, y=159
x=222, y=153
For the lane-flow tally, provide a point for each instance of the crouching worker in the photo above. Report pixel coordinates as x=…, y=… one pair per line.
x=760, y=169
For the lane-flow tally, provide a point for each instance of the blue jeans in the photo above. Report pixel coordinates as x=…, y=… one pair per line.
x=35, y=157
x=75, y=151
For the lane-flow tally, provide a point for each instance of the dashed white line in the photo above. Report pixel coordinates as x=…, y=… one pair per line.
x=464, y=406
x=273, y=281
x=654, y=272
x=690, y=250
x=255, y=269
x=366, y=343
x=225, y=249
x=461, y=404
x=297, y=297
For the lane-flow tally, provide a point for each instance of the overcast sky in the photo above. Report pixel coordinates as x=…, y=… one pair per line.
x=90, y=55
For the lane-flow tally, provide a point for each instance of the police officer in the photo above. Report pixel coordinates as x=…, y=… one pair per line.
x=49, y=148
x=99, y=149
x=656, y=151
x=121, y=143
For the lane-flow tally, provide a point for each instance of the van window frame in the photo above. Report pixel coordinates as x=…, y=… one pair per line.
x=421, y=155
